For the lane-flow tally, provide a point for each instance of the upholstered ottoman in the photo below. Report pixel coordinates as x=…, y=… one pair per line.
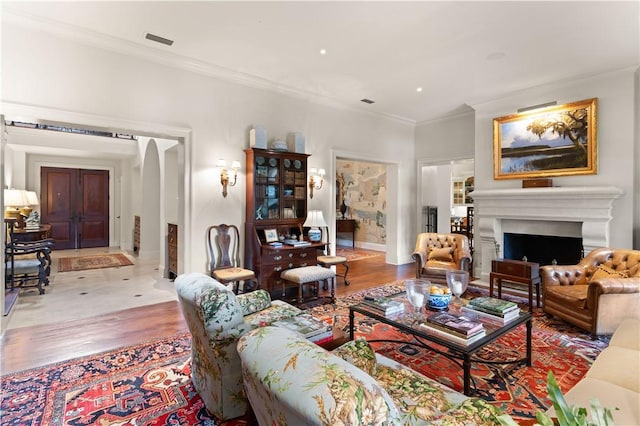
x=310, y=274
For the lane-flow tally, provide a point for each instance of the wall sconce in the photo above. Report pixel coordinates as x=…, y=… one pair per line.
x=316, y=179
x=224, y=174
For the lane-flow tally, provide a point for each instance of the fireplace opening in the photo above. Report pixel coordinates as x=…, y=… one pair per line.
x=543, y=249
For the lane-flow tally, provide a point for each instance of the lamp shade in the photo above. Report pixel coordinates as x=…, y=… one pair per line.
x=32, y=198
x=15, y=198
x=315, y=219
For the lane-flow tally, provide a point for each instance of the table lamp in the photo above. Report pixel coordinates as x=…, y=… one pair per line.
x=32, y=201
x=14, y=199
x=315, y=220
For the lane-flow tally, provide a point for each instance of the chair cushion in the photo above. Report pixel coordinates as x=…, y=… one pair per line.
x=444, y=254
x=603, y=271
x=571, y=295
x=331, y=260
x=24, y=266
x=233, y=274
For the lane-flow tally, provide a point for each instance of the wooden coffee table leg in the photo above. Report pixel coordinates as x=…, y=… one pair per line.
x=529, y=359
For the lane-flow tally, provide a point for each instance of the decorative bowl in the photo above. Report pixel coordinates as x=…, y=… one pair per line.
x=439, y=301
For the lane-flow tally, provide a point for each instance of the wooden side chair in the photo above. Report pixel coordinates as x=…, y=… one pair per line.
x=328, y=261
x=224, y=258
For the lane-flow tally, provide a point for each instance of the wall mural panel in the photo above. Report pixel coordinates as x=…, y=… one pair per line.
x=362, y=187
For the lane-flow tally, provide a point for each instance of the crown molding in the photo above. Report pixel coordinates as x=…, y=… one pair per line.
x=164, y=57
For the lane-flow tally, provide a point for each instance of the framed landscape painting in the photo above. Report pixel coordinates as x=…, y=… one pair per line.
x=555, y=141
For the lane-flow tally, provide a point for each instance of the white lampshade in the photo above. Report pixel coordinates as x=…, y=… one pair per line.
x=32, y=198
x=15, y=198
x=315, y=219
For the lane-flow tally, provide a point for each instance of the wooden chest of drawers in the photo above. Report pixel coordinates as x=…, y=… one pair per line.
x=276, y=260
x=172, y=250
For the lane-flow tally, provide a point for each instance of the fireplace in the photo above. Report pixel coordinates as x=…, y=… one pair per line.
x=581, y=215
x=543, y=249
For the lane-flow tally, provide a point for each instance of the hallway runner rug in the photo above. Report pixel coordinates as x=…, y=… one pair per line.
x=94, y=261
x=150, y=383
x=357, y=254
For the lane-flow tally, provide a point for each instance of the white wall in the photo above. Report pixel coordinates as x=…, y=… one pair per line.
x=43, y=70
x=616, y=114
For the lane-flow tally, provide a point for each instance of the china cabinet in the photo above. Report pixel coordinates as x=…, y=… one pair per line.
x=276, y=200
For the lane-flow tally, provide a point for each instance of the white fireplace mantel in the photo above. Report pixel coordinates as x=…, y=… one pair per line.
x=589, y=206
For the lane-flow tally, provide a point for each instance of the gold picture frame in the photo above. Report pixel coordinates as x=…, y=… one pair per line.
x=555, y=141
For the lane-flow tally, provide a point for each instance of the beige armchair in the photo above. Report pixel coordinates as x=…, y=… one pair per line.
x=435, y=254
x=597, y=293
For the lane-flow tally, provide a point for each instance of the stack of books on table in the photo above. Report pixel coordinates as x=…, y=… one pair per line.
x=296, y=243
x=494, y=309
x=310, y=327
x=460, y=329
x=383, y=305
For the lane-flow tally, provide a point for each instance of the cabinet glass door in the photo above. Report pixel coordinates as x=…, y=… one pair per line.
x=267, y=189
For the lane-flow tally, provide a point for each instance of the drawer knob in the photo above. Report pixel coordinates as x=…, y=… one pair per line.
x=303, y=254
x=291, y=265
x=278, y=268
x=303, y=264
x=290, y=254
x=277, y=258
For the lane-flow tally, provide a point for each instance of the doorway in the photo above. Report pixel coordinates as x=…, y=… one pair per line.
x=76, y=204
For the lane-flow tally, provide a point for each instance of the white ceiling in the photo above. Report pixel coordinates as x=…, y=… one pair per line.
x=460, y=53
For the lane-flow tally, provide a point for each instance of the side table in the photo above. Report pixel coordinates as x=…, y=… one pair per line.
x=517, y=271
x=347, y=225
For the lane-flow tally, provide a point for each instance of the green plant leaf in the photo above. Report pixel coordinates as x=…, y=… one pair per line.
x=564, y=413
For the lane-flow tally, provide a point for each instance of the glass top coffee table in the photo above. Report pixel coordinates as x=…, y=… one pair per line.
x=460, y=353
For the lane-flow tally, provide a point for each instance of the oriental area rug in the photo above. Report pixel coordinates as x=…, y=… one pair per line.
x=95, y=261
x=150, y=384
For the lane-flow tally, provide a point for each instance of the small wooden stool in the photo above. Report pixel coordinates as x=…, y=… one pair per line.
x=329, y=261
x=310, y=274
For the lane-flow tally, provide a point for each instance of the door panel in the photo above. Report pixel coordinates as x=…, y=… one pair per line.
x=94, y=208
x=58, y=204
x=76, y=204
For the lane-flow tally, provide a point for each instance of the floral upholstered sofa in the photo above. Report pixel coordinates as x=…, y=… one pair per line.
x=291, y=381
x=217, y=318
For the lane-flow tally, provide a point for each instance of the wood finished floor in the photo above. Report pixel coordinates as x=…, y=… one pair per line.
x=29, y=347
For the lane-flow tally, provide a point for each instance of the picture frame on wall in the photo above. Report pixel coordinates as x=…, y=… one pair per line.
x=555, y=141
x=270, y=235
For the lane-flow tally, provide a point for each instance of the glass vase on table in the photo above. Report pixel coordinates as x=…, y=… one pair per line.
x=417, y=291
x=457, y=281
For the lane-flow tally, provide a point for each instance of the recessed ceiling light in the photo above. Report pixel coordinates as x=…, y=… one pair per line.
x=419, y=89
x=323, y=51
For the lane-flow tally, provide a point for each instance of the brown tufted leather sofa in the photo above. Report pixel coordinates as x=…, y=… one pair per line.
x=597, y=305
x=435, y=254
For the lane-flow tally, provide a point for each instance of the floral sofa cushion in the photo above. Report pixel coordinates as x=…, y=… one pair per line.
x=297, y=382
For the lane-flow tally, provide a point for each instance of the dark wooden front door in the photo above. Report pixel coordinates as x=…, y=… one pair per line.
x=76, y=204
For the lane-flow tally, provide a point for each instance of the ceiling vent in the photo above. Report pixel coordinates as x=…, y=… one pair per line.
x=367, y=101
x=158, y=39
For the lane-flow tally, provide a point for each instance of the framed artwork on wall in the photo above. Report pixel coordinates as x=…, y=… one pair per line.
x=555, y=141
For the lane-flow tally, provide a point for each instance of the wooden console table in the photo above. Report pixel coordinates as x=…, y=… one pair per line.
x=516, y=271
x=26, y=235
x=347, y=225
